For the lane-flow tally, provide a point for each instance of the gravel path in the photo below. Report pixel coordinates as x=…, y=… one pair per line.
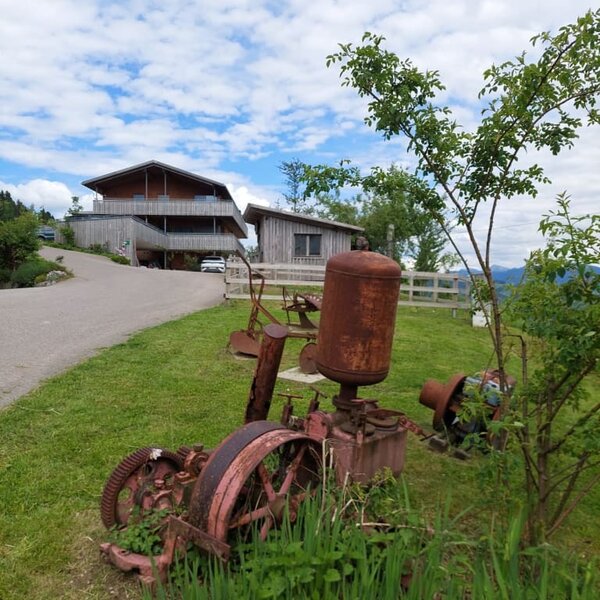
x=43, y=331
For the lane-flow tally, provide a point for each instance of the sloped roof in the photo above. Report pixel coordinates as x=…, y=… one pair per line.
x=95, y=183
x=254, y=212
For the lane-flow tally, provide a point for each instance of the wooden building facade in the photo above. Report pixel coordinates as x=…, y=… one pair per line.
x=293, y=238
x=157, y=214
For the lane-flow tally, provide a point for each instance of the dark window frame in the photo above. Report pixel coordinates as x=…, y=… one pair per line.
x=303, y=245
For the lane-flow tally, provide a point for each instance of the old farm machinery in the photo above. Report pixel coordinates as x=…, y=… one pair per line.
x=247, y=341
x=264, y=468
x=447, y=403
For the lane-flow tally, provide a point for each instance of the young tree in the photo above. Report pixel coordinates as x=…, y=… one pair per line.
x=429, y=248
x=335, y=208
x=45, y=216
x=558, y=309
x=76, y=206
x=8, y=207
x=414, y=232
x=530, y=105
x=295, y=197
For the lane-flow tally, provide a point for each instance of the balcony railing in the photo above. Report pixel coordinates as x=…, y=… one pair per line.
x=171, y=208
x=191, y=242
x=203, y=242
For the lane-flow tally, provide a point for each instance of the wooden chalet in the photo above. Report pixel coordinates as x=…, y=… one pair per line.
x=294, y=238
x=159, y=215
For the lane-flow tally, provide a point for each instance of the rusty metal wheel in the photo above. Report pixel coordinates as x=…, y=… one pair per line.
x=308, y=358
x=133, y=483
x=252, y=477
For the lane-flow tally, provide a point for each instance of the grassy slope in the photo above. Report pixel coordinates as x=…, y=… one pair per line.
x=177, y=384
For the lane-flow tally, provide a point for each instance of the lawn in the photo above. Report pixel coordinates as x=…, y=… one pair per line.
x=177, y=384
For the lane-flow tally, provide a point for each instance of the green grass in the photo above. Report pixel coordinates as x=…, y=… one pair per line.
x=332, y=558
x=177, y=384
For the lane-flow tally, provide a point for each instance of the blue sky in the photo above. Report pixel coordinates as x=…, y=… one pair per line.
x=229, y=89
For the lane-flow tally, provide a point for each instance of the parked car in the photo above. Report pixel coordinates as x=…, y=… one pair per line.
x=213, y=264
x=45, y=232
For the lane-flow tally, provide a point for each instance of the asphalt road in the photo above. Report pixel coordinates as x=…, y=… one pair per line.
x=45, y=330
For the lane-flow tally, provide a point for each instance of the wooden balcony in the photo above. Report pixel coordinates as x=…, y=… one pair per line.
x=201, y=242
x=224, y=209
x=148, y=236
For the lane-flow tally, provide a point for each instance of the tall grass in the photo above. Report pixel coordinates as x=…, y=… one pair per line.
x=326, y=554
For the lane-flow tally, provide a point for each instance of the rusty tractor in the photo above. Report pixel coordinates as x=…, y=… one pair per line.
x=248, y=341
x=265, y=468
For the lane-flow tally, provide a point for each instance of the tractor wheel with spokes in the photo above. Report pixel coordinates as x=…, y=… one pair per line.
x=252, y=478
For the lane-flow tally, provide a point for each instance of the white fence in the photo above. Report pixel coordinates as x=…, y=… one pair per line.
x=439, y=290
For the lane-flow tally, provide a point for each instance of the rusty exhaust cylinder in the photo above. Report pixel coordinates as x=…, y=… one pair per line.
x=354, y=347
x=265, y=376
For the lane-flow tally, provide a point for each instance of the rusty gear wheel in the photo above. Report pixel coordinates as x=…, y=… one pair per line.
x=183, y=451
x=133, y=480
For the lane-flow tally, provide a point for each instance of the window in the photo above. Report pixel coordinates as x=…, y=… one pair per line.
x=139, y=197
x=307, y=244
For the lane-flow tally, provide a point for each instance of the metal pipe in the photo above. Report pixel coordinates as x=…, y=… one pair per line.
x=263, y=384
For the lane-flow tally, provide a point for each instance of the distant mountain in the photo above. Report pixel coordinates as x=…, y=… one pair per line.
x=502, y=274
x=513, y=275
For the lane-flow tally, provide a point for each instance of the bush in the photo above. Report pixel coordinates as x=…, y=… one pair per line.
x=33, y=271
x=97, y=249
x=18, y=241
x=68, y=235
x=122, y=260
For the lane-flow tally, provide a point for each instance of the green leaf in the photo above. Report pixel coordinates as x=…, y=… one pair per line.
x=332, y=575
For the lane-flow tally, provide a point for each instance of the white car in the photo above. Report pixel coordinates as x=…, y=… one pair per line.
x=212, y=264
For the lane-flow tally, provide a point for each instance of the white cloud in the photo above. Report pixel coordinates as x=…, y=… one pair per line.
x=90, y=87
x=54, y=196
x=243, y=196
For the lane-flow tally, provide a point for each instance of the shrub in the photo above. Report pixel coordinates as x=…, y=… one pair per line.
x=5, y=275
x=122, y=260
x=97, y=249
x=191, y=261
x=68, y=235
x=33, y=271
x=18, y=241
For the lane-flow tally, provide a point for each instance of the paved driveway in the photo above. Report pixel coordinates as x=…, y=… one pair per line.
x=45, y=330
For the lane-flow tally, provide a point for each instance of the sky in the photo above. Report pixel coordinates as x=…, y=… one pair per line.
x=229, y=89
